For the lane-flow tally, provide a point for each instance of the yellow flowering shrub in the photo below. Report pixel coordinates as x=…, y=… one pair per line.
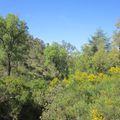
x=96, y=115
x=101, y=75
x=114, y=70
x=80, y=76
x=54, y=82
x=92, y=77
x=83, y=76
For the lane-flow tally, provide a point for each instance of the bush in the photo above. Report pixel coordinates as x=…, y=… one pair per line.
x=86, y=97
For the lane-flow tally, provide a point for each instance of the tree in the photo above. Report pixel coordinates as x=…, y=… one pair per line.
x=92, y=58
x=99, y=40
x=100, y=61
x=13, y=39
x=69, y=47
x=57, y=56
x=116, y=36
x=35, y=61
x=113, y=58
x=116, y=39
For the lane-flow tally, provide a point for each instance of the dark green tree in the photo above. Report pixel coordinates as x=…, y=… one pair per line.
x=13, y=39
x=99, y=41
x=57, y=56
x=35, y=60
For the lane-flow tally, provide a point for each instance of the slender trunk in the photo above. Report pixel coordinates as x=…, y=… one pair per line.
x=9, y=65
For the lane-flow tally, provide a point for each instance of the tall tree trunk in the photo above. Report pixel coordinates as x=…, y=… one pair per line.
x=9, y=65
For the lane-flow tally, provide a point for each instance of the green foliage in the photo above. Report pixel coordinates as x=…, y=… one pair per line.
x=33, y=67
x=100, y=61
x=17, y=94
x=99, y=41
x=57, y=56
x=95, y=98
x=13, y=39
x=57, y=82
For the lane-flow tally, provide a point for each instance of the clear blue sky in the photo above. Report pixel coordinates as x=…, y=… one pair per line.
x=70, y=20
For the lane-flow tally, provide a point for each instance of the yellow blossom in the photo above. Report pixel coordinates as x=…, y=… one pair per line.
x=54, y=82
x=66, y=82
x=114, y=70
x=100, y=74
x=96, y=115
x=80, y=76
x=92, y=77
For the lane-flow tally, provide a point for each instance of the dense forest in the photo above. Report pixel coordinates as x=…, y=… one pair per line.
x=40, y=81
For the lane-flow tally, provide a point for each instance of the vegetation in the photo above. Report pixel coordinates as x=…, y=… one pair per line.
x=41, y=81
